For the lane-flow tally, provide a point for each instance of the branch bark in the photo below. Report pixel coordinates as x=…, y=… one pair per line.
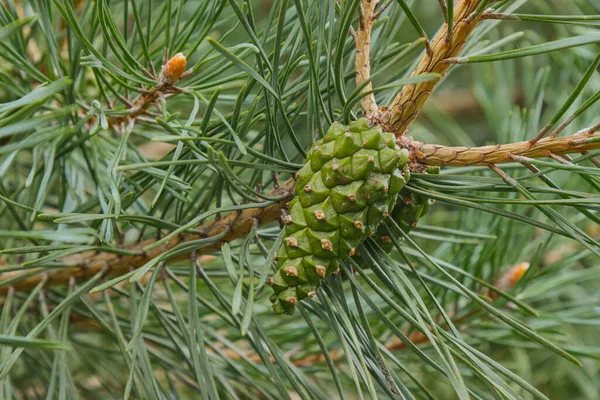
x=410, y=101
x=363, y=57
x=431, y=154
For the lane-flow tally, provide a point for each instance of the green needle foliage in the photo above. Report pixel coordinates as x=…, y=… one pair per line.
x=101, y=161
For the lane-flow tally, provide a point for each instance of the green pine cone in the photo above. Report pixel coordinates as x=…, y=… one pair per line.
x=409, y=209
x=349, y=183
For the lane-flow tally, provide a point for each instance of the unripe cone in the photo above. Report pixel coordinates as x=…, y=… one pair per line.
x=409, y=209
x=348, y=185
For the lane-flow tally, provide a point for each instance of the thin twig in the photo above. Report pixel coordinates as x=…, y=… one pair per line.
x=444, y=8
x=594, y=160
x=381, y=9
x=85, y=265
x=171, y=72
x=499, y=16
x=562, y=126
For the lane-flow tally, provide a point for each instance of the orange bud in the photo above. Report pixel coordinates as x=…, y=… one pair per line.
x=174, y=68
x=512, y=276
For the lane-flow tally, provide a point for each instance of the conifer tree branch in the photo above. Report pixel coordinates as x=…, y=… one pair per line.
x=85, y=265
x=363, y=58
x=237, y=224
x=431, y=154
x=136, y=206
x=409, y=102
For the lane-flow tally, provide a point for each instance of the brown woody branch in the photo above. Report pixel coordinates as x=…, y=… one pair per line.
x=85, y=265
x=431, y=154
x=363, y=57
x=410, y=101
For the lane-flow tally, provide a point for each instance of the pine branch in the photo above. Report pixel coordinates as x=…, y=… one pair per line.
x=363, y=58
x=171, y=72
x=403, y=111
x=431, y=154
x=239, y=223
x=83, y=266
x=257, y=125
x=410, y=101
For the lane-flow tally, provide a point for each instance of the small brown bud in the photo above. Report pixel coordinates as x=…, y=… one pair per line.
x=385, y=213
x=310, y=295
x=270, y=281
x=307, y=188
x=335, y=167
x=385, y=239
x=352, y=252
x=358, y=224
x=275, y=258
x=320, y=215
x=173, y=69
x=287, y=219
x=512, y=276
x=352, y=197
x=337, y=271
x=371, y=159
x=291, y=241
x=321, y=270
x=348, y=134
x=326, y=244
x=292, y=301
x=291, y=271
